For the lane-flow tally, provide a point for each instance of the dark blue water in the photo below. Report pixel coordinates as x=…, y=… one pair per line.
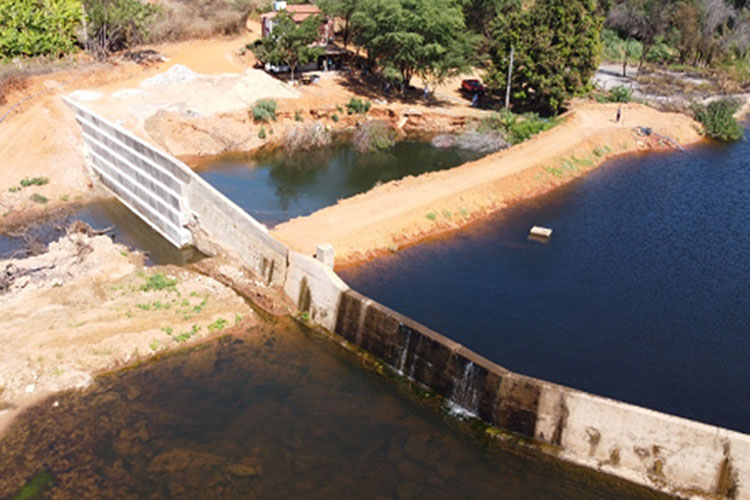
x=279, y=186
x=124, y=227
x=642, y=294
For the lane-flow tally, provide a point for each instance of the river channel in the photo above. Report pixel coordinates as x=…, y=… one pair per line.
x=642, y=293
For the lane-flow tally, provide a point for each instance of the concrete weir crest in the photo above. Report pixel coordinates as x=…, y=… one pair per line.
x=665, y=452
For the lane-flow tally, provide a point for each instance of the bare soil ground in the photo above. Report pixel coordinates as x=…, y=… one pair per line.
x=86, y=306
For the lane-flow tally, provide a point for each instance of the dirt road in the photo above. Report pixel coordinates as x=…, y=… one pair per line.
x=404, y=212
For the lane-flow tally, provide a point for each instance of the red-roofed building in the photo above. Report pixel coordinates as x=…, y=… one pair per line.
x=298, y=13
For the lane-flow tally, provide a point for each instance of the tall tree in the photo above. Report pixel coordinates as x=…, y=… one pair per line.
x=644, y=20
x=343, y=9
x=557, y=48
x=290, y=43
x=408, y=37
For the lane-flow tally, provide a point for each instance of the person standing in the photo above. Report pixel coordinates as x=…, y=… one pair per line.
x=619, y=114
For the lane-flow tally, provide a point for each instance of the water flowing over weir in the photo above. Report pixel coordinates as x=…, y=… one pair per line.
x=655, y=449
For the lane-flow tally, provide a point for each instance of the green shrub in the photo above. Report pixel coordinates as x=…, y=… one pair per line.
x=335, y=118
x=516, y=128
x=297, y=116
x=264, y=110
x=718, y=119
x=262, y=133
x=38, y=198
x=619, y=93
x=357, y=105
x=38, y=27
x=373, y=136
x=34, y=181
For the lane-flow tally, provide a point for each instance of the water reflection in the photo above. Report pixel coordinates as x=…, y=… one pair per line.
x=275, y=187
x=273, y=413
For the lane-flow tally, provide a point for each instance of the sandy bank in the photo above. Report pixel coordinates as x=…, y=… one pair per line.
x=404, y=212
x=86, y=306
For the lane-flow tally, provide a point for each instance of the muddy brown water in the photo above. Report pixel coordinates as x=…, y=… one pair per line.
x=274, y=412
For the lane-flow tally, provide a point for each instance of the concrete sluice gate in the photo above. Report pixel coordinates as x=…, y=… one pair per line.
x=665, y=452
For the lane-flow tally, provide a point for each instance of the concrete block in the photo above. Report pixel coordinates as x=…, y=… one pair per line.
x=325, y=254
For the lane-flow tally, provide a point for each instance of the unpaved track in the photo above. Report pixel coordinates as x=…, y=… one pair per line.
x=403, y=212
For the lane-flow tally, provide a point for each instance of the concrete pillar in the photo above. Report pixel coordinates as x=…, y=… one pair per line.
x=325, y=254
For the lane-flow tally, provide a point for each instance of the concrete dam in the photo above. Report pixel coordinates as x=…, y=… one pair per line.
x=665, y=452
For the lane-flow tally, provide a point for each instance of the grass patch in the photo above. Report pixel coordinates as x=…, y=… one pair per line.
x=516, y=128
x=185, y=336
x=158, y=282
x=199, y=308
x=154, y=345
x=602, y=151
x=167, y=329
x=237, y=319
x=14, y=189
x=432, y=216
x=34, y=181
x=38, y=198
x=143, y=307
x=217, y=325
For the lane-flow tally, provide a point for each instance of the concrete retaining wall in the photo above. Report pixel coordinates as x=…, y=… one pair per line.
x=232, y=228
x=648, y=447
x=169, y=196
x=651, y=448
x=151, y=183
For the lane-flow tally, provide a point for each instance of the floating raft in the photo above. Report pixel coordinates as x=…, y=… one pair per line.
x=540, y=232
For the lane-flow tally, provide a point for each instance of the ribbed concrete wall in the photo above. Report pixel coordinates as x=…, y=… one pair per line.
x=151, y=183
x=169, y=196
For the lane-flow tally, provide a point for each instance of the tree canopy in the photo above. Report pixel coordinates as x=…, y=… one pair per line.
x=290, y=43
x=557, y=48
x=408, y=37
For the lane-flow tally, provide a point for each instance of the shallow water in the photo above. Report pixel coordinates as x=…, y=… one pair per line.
x=642, y=293
x=126, y=228
x=279, y=186
x=276, y=413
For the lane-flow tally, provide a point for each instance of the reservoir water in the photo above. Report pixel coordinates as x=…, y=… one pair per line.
x=278, y=186
x=272, y=413
x=642, y=294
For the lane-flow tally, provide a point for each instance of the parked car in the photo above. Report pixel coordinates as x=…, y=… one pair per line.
x=472, y=86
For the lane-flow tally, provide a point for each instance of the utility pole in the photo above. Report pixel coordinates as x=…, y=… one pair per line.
x=510, y=73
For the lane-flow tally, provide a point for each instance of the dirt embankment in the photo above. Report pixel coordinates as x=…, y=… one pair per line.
x=88, y=305
x=404, y=212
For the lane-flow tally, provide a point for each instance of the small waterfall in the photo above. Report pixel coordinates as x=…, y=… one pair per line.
x=404, y=354
x=466, y=391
